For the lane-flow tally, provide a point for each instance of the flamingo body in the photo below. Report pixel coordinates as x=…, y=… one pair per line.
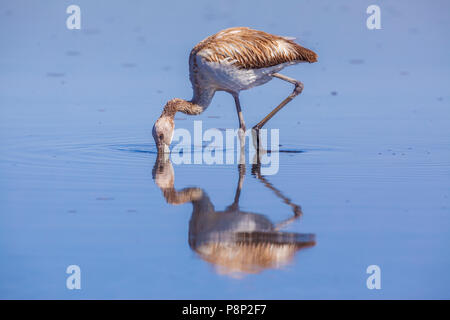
x=240, y=58
x=233, y=60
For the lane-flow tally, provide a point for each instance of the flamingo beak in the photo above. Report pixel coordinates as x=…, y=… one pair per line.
x=163, y=148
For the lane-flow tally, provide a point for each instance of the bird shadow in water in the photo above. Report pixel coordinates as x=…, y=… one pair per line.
x=234, y=241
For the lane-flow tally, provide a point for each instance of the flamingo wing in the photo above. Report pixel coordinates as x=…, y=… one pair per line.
x=252, y=49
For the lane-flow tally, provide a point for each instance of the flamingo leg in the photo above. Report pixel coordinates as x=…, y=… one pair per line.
x=298, y=88
x=239, y=111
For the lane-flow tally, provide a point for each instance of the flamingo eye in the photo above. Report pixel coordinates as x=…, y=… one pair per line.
x=161, y=136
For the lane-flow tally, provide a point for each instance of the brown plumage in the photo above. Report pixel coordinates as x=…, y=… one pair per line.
x=179, y=105
x=252, y=49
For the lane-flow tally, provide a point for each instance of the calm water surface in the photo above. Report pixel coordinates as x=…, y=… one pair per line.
x=81, y=182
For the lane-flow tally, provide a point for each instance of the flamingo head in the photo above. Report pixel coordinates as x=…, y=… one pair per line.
x=163, y=133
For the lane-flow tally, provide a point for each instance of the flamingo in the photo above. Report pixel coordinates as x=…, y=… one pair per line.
x=233, y=60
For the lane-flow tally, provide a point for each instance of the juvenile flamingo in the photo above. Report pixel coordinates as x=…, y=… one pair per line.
x=233, y=60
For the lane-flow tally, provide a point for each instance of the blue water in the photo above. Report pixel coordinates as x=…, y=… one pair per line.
x=78, y=184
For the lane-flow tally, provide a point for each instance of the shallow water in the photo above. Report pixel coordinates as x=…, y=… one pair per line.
x=363, y=174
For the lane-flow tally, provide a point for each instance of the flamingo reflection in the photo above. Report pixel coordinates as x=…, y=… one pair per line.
x=236, y=242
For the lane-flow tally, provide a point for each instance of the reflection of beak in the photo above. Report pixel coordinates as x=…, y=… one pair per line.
x=163, y=148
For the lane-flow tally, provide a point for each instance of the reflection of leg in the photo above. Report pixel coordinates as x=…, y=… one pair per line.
x=256, y=171
x=237, y=194
x=284, y=223
x=256, y=168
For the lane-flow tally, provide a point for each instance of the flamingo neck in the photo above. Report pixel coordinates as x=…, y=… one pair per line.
x=199, y=102
x=180, y=105
x=202, y=97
